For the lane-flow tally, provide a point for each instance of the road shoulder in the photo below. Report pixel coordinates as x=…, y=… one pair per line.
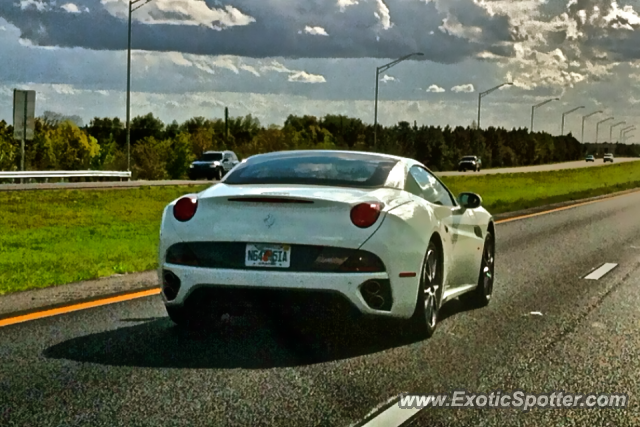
x=19, y=303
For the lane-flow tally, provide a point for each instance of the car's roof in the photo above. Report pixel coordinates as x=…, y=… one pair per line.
x=215, y=152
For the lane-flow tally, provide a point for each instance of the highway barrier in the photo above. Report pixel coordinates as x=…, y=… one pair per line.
x=29, y=175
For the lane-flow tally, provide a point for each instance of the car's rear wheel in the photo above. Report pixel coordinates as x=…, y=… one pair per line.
x=481, y=295
x=424, y=321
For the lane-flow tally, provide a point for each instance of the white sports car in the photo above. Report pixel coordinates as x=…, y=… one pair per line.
x=372, y=233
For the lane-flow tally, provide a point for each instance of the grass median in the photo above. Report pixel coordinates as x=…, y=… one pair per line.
x=53, y=237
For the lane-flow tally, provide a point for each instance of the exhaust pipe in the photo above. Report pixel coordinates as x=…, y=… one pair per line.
x=372, y=295
x=376, y=301
x=372, y=287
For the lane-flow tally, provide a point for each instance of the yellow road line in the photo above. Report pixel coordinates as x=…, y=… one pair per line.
x=76, y=307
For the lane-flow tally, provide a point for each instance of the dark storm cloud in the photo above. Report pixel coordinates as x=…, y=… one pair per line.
x=613, y=31
x=354, y=33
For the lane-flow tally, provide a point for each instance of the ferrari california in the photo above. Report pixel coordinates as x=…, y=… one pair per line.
x=374, y=234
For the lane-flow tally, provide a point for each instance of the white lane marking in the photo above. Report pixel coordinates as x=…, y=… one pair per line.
x=601, y=271
x=393, y=416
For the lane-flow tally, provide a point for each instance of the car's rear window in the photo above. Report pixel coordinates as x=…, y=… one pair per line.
x=468, y=158
x=211, y=157
x=313, y=168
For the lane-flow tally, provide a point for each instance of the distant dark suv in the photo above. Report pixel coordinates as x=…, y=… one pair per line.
x=213, y=165
x=473, y=163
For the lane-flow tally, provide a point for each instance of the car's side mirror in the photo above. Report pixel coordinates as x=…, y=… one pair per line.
x=469, y=200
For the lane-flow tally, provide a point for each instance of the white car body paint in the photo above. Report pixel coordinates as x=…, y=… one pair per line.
x=399, y=238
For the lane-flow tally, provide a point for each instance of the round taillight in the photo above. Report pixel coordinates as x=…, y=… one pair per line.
x=185, y=208
x=365, y=214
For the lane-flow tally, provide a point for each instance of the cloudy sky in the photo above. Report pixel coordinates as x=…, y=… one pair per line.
x=272, y=58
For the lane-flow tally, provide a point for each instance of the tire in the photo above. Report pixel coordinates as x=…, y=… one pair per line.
x=481, y=295
x=217, y=175
x=424, y=320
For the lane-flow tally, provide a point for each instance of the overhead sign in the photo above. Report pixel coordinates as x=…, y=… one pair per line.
x=24, y=111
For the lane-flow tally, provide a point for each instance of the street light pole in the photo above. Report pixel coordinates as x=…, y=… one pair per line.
x=627, y=136
x=128, y=124
x=598, y=126
x=585, y=118
x=611, y=131
x=533, y=109
x=628, y=128
x=379, y=70
x=487, y=92
x=564, y=114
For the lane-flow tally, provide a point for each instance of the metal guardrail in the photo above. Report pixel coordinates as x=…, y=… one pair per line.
x=64, y=174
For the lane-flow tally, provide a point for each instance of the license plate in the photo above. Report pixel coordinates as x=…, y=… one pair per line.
x=259, y=255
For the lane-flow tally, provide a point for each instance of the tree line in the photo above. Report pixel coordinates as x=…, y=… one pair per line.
x=164, y=151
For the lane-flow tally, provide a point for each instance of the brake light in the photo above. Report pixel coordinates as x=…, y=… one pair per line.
x=185, y=208
x=365, y=214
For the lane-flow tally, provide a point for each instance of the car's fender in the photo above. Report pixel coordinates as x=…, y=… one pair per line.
x=401, y=242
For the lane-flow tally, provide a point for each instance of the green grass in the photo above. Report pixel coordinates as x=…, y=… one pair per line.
x=52, y=237
x=516, y=191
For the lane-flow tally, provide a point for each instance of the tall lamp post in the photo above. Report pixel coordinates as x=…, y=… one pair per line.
x=611, y=131
x=585, y=118
x=131, y=10
x=533, y=109
x=379, y=70
x=628, y=128
x=598, y=126
x=566, y=113
x=625, y=136
x=487, y=92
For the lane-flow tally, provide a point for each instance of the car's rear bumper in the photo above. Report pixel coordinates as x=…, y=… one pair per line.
x=235, y=288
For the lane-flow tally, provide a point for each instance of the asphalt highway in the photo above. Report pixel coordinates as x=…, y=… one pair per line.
x=131, y=184
x=126, y=365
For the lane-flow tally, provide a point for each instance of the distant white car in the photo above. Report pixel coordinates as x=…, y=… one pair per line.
x=371, y=233
x=608, y=158
x=590, y=158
